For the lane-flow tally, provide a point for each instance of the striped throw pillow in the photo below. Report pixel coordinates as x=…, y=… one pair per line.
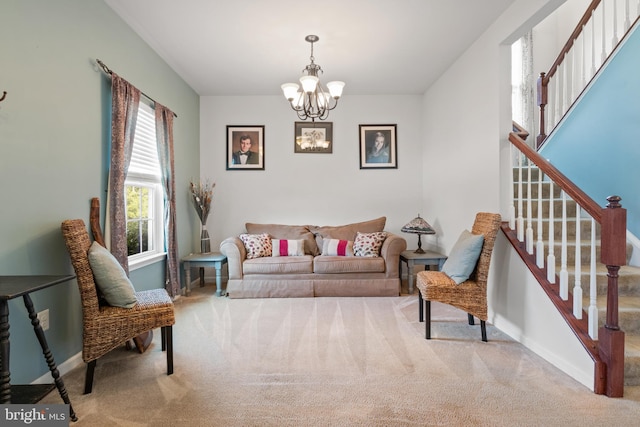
x=284, y=247
x=337, y=247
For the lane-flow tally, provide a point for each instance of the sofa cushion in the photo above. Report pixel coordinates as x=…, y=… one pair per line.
x=256, y=245
x=336, y=247
x=281, y=265
x=279, y=231
x=369, y=244
x=348, y=231
x=284, y=247
x=342, y=264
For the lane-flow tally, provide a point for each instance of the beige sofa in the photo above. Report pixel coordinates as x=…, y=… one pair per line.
x=314, y=274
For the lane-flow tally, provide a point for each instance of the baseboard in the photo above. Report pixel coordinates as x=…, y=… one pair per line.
x=64, y=368
x=585, y=378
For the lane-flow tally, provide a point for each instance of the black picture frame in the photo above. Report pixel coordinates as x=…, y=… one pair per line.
x=313, y=137
x=255, y=159
x=384, y=158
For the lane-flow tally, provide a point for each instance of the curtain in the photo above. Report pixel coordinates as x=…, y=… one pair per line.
x=164, y=135
x=529, y=83
x=124, y=114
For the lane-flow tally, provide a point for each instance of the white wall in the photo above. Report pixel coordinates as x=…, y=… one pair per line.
x=522, y=310
x=466, y=158
x=321, y=189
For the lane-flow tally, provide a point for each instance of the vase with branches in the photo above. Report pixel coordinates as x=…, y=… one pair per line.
x=201, y=194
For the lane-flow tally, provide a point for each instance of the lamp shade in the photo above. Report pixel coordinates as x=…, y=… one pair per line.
x=290, y=90
x=418, y=226
x=309, y=83
x=335, y=88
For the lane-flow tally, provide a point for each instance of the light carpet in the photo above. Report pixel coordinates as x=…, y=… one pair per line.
x=334, y=362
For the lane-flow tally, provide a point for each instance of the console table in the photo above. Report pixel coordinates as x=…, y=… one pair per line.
x=21, y=286
x=428, y=258
x=205, y=259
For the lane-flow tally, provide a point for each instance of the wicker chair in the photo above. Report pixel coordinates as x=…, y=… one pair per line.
x=106, y=327
x=469, y=296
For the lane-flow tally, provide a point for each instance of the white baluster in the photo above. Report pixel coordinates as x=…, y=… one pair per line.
x=577, y=288
x=558, y=97
x=583, y=60
x=593, y=43
x=614, y=38
x=564, y=274
x=593, y=291
x=512, y=208
x=529, y=231
x=551, y=258
x=520, y=226
x=540, y=243
x=604, y=50
x=627, y=19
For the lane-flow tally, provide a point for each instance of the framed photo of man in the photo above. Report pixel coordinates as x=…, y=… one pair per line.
x=378, y=147
x=245, y=147
x=313, y=137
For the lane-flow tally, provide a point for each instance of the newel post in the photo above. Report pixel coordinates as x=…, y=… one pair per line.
x=613, y=255
x=542, y=102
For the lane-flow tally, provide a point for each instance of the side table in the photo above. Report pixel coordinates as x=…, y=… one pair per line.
x=428, y=258
x=206, y=259
x=21, y=286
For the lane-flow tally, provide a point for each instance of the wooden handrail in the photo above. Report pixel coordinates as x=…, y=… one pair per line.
x=580, y=197
x=613, y=222
x=572, y=38
x=545, y=78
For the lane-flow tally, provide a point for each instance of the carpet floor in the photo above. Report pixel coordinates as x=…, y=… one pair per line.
x=334, y=362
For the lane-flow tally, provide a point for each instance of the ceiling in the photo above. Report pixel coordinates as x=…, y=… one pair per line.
x=251, y=47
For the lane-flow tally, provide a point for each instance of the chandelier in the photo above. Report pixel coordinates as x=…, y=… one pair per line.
x=313, y=101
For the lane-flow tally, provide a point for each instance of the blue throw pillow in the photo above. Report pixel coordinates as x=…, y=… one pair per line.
x=463, y=257
x=110, y=277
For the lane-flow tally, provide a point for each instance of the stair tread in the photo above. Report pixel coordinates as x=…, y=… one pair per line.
x=632, y=346
x=625, y=303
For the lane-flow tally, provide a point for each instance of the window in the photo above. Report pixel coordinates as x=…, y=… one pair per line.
x=143, y=194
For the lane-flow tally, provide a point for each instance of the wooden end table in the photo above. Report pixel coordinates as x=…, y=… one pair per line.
x=428, y=258
x=206, y=259
x=21, y=286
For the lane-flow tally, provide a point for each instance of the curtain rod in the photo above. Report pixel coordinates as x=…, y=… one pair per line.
x=109, y=72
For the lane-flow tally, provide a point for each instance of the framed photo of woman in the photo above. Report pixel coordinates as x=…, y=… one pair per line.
x=378, y=147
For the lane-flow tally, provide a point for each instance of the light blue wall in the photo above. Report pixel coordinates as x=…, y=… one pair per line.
x=598, y=146
x=54, y=129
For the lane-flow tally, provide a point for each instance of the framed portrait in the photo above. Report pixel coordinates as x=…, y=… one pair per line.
x=245, y=147
x=313, y=137
x=378, y=147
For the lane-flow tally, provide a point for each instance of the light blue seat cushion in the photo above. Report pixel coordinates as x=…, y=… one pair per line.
x=110, y=277
x=463, y=257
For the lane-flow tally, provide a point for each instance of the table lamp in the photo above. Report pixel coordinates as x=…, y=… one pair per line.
x=418, y=226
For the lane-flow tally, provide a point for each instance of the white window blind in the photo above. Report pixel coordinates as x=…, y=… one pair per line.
x=144, y=157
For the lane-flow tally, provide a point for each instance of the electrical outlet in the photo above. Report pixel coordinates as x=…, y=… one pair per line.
x=43, y=317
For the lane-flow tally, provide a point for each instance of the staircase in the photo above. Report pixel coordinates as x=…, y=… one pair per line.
x=629, y=277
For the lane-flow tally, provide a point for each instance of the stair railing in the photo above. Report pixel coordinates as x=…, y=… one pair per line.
x=605, y=344
x=597, y=35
